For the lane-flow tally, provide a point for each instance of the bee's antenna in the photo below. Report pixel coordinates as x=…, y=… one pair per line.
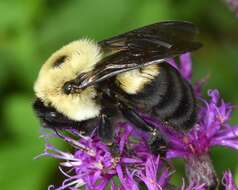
x=58, y=133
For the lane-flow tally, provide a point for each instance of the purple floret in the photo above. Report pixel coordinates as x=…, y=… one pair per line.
x=228, y=182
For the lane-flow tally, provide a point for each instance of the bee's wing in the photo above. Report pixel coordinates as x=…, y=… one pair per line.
x=165, y=34
x=151, y=44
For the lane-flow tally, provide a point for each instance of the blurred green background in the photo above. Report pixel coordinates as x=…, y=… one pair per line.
x=30, y=30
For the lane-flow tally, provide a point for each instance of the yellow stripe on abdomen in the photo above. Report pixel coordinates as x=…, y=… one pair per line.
x=132, y=82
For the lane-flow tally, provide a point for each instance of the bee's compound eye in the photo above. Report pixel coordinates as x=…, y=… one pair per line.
x=53, y=114
x=68, y=88
x=49, y=116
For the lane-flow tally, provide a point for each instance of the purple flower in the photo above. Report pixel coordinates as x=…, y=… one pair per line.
x=192, y=186
x=149, y=175
x=185, y=65
x=93, y=166
x=233, y=4
x=126, y=179
x=228, y=182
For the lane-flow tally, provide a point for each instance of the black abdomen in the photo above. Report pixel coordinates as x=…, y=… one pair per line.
x=168, y=97
x=177, y=104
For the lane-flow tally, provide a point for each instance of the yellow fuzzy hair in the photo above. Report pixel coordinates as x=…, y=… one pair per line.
x=134, y=81
x=82, y=55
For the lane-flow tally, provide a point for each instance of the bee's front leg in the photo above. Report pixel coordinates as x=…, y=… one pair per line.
x=106, y=133
x=105, y=129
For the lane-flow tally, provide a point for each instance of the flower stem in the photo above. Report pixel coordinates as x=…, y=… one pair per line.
x=200, y=170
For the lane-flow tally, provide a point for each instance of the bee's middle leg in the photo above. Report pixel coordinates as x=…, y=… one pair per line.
x=157, y=143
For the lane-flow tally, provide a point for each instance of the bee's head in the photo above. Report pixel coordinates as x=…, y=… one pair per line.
x=52, y=85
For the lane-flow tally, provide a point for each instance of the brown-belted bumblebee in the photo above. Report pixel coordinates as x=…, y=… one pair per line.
x=86, y=84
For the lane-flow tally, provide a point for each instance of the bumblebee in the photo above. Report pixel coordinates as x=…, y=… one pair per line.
x=86, y=84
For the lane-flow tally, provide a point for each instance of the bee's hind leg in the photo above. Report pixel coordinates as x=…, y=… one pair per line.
x=157, y=143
